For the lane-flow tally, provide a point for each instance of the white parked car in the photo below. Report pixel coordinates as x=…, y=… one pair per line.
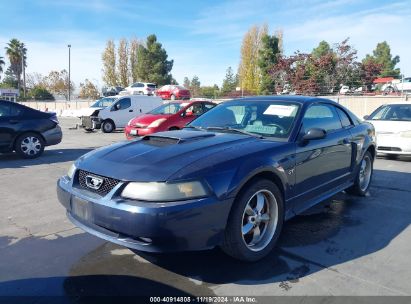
x=392, y=124
x=118, y=114
x=140, y=88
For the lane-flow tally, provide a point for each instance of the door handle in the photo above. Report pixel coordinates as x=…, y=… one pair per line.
x=130, y=110
x=13, y=121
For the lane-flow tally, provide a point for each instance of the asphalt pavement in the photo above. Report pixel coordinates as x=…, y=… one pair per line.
x=345, y=246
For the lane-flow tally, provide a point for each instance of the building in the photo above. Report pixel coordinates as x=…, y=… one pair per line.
x=9, y=94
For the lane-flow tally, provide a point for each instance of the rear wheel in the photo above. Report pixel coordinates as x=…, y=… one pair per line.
x=29, y=145
x=108, y=126
x=255, y=222
x=363, y=179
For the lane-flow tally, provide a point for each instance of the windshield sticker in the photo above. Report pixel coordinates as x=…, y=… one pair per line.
x=280, y=110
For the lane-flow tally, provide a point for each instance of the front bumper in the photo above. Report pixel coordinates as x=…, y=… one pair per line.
x=91, y=122
x=53, y=136
x=155, y=227
x=132, y=132
x=393, y=144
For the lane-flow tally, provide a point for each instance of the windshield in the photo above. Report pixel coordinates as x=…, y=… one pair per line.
x=392, y=112
x=263, y=118
x=104, y=102
x=169, y=108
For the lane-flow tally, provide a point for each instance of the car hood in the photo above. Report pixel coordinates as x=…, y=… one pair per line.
x=160, y=156
x=87, y=111
x=389, y=126
x=147, y=119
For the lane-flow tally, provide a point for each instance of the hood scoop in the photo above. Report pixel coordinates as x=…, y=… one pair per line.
x=162, y=139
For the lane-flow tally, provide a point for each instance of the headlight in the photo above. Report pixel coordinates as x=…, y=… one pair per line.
x=156, y=123
x=162, y=192
x=129, y=122
x=406, y=134
x=71, y=171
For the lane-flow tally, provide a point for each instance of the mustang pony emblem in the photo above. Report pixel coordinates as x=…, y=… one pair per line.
x=94, y=182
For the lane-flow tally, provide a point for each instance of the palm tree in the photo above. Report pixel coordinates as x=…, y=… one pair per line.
x=16, y=51
x=2, y=63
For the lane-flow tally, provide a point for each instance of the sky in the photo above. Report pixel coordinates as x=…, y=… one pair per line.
x=203, y=37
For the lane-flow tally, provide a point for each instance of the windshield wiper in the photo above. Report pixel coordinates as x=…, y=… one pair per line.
x=234, y=131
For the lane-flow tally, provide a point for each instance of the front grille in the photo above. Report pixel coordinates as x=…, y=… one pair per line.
x=106, y=187
x=389, y=149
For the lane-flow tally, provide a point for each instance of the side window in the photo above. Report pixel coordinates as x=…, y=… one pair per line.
x=321, y=116
x=4, y=109
x=122, y=104
x=345, y=120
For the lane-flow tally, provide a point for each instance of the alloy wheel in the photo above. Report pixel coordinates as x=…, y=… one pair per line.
x=260, y=219
x=365, y=173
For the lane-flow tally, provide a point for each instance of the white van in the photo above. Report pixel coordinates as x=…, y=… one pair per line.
x=120, y=112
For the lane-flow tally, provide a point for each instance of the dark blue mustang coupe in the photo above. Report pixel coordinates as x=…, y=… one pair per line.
x=230, y=178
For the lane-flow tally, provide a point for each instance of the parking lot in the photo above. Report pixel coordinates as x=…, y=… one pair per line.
x=346, y=246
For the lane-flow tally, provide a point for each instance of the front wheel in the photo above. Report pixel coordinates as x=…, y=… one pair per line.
x=108, y=126
x=363, y=179
x=29, y=145
x=255, y=222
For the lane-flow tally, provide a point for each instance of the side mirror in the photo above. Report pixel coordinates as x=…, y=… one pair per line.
x=366, y=117
x=314, y=133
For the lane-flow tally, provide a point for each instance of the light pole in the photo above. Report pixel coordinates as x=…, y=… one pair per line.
x=69, y=82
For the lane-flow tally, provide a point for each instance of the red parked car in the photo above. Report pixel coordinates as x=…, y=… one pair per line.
x=173, y=92
x=169, y=116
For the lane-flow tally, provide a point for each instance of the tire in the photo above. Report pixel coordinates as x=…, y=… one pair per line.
x=29, y=145
x=245, y=217
x=174, y=129
x=364, y=176
x=172, y=97
x=108, y=126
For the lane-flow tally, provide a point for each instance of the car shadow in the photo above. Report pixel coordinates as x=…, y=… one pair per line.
x=52, y=156
x=339, y=230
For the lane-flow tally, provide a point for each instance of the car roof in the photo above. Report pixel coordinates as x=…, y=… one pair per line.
x=286, y=98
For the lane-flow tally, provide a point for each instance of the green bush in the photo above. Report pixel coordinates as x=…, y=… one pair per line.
x=41, y=93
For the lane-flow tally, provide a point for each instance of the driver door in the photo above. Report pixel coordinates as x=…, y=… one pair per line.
x=321, y=164
x=121, y=112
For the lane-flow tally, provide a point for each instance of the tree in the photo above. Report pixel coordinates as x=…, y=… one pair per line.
x=267, y=58
x=109, y=64
x=133, y=51
x=249, y=71
x=347, y=68
x=36, y=80
x=88, y=90
x=195, y=86
x=186, y=83
x=322, y=49
x=2, y=63
x=370, y=69
x=41, y=93
x=153, y=65
x=209, y=91
x=229, y=82
x=9, y=80
x=122, y=66
x=57, y=82
x=16, y=52
x=382, y=55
